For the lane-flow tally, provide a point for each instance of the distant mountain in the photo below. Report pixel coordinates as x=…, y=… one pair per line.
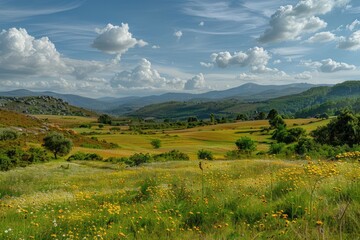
x=246, y=92
x=120, y=106
x=304, y=104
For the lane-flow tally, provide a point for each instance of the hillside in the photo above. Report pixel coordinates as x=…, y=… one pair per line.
x=243, y=93
x=119, y=106
x=42, y=105
x=306, y=104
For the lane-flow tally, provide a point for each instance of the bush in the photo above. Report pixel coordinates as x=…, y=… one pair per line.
x=85, y=156
x=276, y=148
x=245, y=145
x=156, y=143
x=139, y=158
x=233, y=154
x=205, y=154
x=8, y=134
x=173, y=155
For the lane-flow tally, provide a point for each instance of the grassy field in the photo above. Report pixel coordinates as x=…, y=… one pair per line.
x=238, y=199
x=217, y=138
x=243, y=199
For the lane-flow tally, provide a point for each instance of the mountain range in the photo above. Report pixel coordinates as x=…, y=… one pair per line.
x=316, y=100
x=120, y=106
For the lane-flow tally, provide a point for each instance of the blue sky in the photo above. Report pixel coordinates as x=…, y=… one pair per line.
x=140, y=47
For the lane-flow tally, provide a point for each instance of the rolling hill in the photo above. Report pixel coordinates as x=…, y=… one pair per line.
x=119, y=106
x=305, y=104
x=42, y=105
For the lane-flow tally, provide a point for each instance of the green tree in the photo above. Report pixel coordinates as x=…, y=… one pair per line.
x=156, y=143
x=260, y=116
x=344, y=129
x=105, y=119
x=242, y=117
x=212, y=118
x=245, y=145
x=57, y=144
x=205, y=154
x=272, y=114
x=276, y=121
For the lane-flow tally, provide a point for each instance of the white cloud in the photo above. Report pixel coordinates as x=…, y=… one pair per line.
x=293, y=52
x=303, y=76
x=195, y=83
x=329, y=65
x=350, y=43
x=207, y=65
x=201, y=24
x=144, y=77
x=291, y=22
x=353, y=25
x=277, y=61
x=255, y=58
x=35, y=63
x=178, y=34
x=322, y=37
x=155, y=47
x=22, y=54
x=116, y=40
x=21, y=12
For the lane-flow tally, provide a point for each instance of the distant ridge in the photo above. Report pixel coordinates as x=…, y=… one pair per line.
x=120, y=106
x=316, y=100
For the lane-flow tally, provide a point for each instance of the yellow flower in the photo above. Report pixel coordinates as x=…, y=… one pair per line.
x=319, y=223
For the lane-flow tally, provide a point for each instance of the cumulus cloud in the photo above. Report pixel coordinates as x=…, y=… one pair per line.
x=178, y=34
x=329, y=65
x=291, y=22
x=33, y=63
x=197, y=82
x=350, y=43
x=255, y=58
x=201, y=24
x=20, y=53
x=322, y=37
x=303, y=76
x=353, y=25
x=144, y=77
x=116, y=40
x=155, y=47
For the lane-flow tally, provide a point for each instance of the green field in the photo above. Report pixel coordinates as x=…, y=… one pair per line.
x=217, y=138
x=257, y=197
x=243, y=199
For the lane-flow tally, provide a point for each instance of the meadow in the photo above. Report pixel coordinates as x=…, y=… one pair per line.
x=219, y=138
x=242, y=199
x=250, y=198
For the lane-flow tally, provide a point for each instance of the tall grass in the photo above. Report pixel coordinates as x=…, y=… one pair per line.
x=235, y=200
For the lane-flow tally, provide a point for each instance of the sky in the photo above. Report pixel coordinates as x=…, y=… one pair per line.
x=140, y=47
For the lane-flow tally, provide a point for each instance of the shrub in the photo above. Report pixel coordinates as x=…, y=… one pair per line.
x=85, y=156
x=245, y=145
x=156, y=143
x=276, y=148
x=205, y=154
x=8, y=134
x=173, y=155
x=139, y=158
